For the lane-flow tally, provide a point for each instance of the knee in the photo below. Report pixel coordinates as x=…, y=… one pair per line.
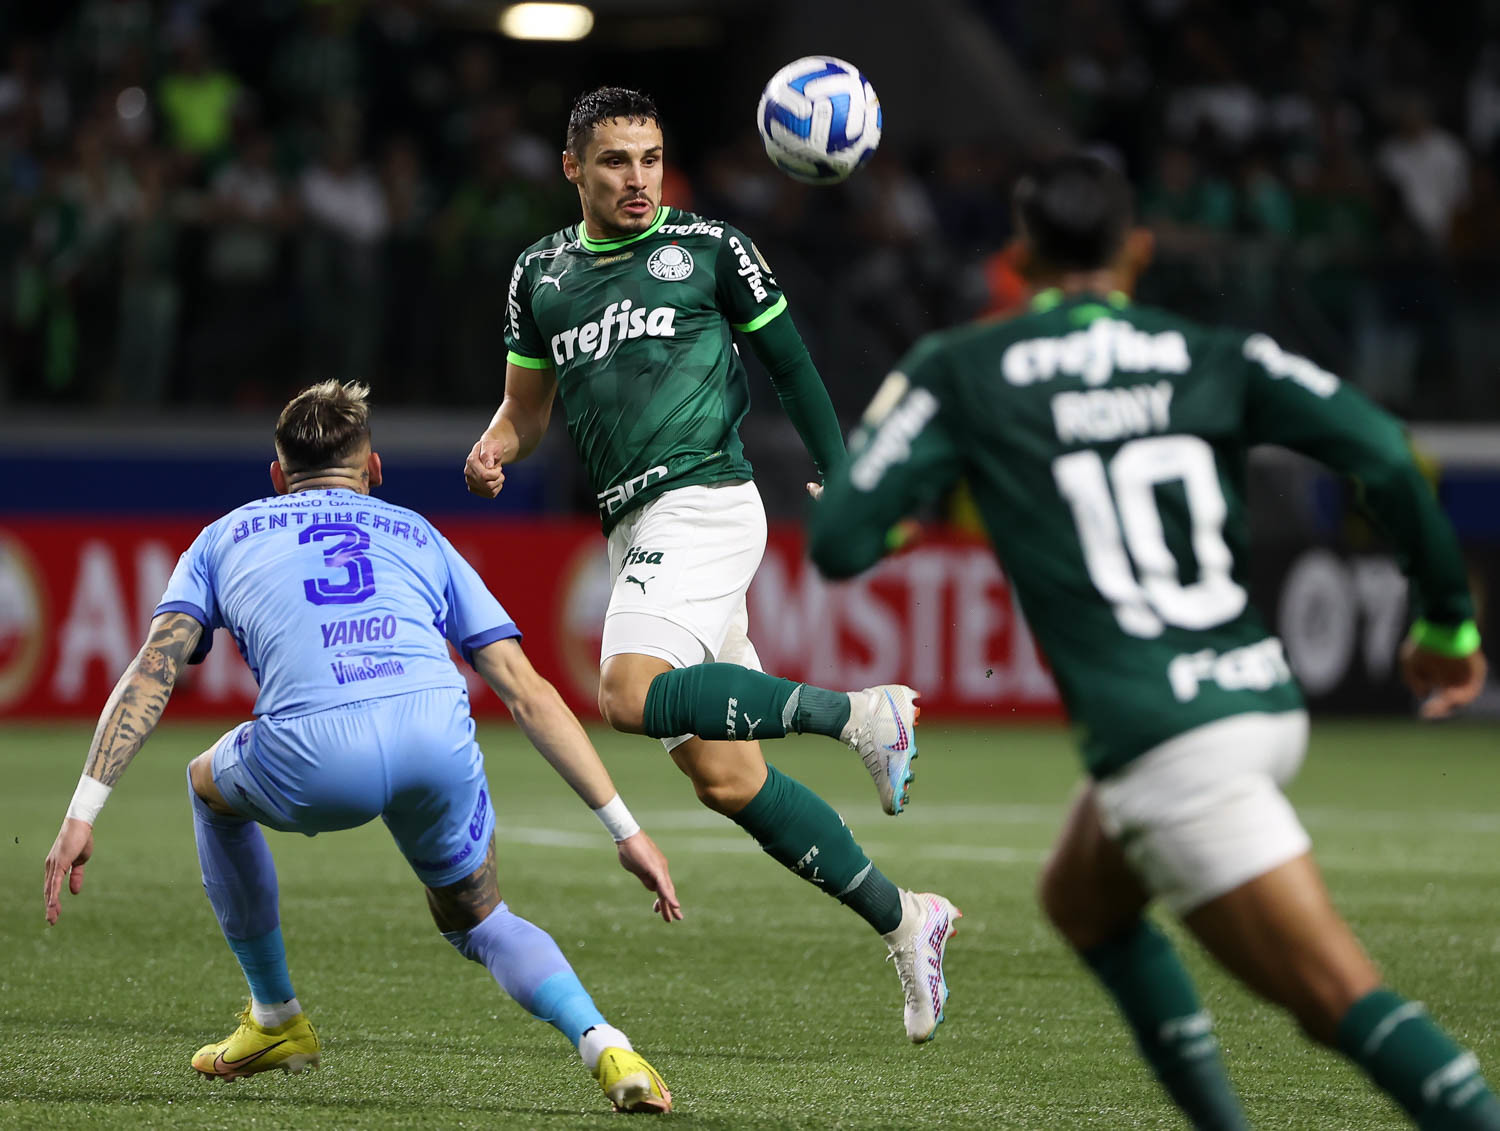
x=1058, y=903
x=1070, y=901
x=1323, y=996
x=726, y=776
x=724, y=796
x=621, y=703
x=201, y=782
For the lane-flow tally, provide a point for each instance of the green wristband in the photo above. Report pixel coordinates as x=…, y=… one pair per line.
x=1459, y=641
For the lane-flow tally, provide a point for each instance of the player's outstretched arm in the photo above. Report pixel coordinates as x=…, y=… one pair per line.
x=560, y=738
x=1292, y=402
x=514, y=431
x=801, y=392
x=133, y=710
x=901, y=457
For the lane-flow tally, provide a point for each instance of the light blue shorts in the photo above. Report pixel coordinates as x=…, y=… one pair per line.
x=410, y=760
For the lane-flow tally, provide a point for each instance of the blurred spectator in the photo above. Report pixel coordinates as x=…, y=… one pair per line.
x=176, y=228
x=1184, y=203
x=1427, y=167
x=318, y=64
x=1484, y=99
x=970, y=197
x=198, y=101
x=901, y=277
x=347, y=218
x=409, y=354
x=490, y=219
x=149, y=293
x=122, y=101
x=40, y=98
x=244, y=312
x=1216, y=102
x=109, y=31
x=1266, y=205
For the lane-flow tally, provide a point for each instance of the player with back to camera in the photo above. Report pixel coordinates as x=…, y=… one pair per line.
x=341, y=604
x=629, y=317
x=1105, y=444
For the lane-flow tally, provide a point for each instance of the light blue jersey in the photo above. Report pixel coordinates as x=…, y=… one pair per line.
x=335, y=597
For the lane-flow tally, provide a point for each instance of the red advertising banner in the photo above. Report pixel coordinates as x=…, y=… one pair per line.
x=76, y=596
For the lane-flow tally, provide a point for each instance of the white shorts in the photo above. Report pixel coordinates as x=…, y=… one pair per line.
x=1203, y=812
x=681, y=566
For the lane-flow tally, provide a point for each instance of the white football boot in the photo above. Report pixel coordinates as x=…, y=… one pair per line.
x=928, y=921
x=883, y=728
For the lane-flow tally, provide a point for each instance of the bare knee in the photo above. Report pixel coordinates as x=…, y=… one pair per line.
x=201, y=775
x=723, y=797
x=726, y=776
x=462, y=906
x=623, y=682
x=1064, y=900
x=1086, y=889
x=1323, y=991
x=621, y=706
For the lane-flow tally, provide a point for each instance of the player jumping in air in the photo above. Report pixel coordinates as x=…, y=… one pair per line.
x=1105, y=444
x=341, y=604
x=629, y=317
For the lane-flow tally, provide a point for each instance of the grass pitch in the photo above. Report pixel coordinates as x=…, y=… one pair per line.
x=770, y=1006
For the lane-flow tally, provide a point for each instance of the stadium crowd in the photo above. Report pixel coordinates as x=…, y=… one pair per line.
x=208, y=203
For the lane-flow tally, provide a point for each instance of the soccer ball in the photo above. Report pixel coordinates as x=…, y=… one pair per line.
x=819, y=119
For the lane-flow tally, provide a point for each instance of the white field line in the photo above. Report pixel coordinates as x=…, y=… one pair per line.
x=724, y=839
x=1050, y=816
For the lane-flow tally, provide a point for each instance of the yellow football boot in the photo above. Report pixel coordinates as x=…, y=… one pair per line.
x=291, y=1046
x=630, y=1083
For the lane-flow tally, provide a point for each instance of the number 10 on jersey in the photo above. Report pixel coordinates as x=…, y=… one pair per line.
x=1124, y=546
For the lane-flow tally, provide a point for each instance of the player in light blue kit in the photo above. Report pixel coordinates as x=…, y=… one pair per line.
x=343, y=606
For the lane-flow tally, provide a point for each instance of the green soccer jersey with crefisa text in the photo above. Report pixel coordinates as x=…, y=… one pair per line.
x=639, y=332
x=1105, y=445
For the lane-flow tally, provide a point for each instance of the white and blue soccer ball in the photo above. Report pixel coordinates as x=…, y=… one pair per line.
x=819, y=119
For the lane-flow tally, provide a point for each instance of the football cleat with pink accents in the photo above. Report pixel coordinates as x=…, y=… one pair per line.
x=883, y=728
x=928, y=921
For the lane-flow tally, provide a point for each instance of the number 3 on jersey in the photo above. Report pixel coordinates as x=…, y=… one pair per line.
x=1124, y=547
x=347, y=554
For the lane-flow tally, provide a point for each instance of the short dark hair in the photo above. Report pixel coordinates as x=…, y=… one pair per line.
x=604, y=105
x=1074, y=210
x=323, y=426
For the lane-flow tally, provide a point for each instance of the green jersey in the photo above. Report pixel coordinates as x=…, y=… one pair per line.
x=1105, y=445
x=639, y=331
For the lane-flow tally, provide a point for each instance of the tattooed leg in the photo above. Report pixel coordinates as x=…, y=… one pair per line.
x=520, y=955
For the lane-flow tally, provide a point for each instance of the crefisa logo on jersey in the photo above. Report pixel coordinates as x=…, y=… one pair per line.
x=670, y=263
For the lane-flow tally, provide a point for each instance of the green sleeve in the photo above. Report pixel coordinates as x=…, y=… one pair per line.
x=800, y=390
x=1291, y=402
x=903, y=455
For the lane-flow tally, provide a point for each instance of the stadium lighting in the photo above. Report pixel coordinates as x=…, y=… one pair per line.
x=564, y=22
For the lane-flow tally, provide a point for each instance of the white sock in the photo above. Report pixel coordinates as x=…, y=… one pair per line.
x=856, y=717
x=596, y=1040
x=274, y=1014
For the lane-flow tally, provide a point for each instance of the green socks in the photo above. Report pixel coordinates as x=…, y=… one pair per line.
x=1417, y=1064
x=800, y=831
x=1147, y=980
x=726, y=701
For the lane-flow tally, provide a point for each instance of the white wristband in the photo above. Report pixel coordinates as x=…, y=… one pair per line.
x=88, y=799
x=617, y=819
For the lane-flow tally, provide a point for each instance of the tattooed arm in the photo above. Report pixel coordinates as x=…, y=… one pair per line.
x=138, y=700
x=134, y=708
